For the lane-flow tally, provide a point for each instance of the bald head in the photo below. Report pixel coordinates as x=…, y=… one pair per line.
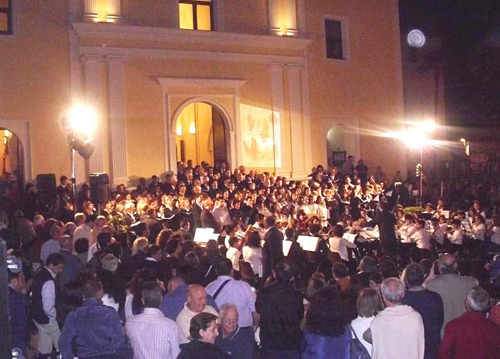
x=196, y=298
x=447, y=264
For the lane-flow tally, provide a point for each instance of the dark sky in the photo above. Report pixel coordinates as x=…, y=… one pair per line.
x=470, y=33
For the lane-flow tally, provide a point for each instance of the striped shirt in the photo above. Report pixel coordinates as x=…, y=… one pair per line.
x=152, y=335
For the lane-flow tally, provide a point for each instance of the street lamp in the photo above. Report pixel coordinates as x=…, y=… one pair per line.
x=79, y=123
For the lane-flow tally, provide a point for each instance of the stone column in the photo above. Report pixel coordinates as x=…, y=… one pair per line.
x=291, y=18
x=118, y=146
x=90, y=10
x=93, y=99
x=297, y=125
x=281, y=150
x=274, y=17
x=114, y=11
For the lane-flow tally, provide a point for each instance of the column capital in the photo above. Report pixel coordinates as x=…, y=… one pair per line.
x=87, y=58
x=113, y=59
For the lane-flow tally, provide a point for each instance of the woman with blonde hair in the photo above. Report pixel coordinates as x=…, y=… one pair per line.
x=140, y=245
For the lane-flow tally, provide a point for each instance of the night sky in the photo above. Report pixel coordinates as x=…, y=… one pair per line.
x=470, y=33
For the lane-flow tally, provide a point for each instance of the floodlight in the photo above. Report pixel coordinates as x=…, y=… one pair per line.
x=80, y=120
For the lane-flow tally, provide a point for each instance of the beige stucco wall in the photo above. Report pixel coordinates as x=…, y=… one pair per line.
x=34, y=73
x=365, y=90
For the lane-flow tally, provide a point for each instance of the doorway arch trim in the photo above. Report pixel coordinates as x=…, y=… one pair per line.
x=191, y=90
x=21, y=128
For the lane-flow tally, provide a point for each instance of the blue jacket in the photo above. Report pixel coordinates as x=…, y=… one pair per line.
x=18, y=321
x=91, y=330
x=315, y=346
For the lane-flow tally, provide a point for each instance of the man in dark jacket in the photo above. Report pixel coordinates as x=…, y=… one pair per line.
x=44, y=295
x=428, y=304
x=385, y=220
x=272, y=252
x=18, y=317
x=281, y=310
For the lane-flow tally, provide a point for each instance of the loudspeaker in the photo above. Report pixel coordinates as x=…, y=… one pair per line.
x=46, y=189
x=46, y=183
x=99, y=188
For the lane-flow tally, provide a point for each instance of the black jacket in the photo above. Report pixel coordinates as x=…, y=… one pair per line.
x=272, y=252
x=281, y=310
x=196, y=350
x=386, y=222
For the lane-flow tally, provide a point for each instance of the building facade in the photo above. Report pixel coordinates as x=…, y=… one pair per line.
x=275, y=85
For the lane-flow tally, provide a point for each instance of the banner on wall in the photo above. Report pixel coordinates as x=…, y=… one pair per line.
x=261, y=135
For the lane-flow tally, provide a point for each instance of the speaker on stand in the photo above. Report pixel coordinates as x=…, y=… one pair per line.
x=99, y=189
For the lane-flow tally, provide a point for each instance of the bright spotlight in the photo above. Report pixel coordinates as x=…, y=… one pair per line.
x=429, y=126
x=82, y=120
x=413, y=138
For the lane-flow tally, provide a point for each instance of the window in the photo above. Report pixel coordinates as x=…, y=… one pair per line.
x=5, y=17
x=334, y=40
x=195, y=14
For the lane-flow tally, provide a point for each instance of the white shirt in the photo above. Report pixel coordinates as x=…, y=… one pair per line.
x=152, y=335
x=254, y=257
x=457, y=236
x=440, y=233
x=234, y=254
x=237, y=292
x=110, y=302
x=360, y=325
x=479, y=231
x=495, y=235
x=340, y=245
x=49, y=297
x=407, y=230
x=184, y=321
x=422, y=238
x=49, y=247
x=83, y=231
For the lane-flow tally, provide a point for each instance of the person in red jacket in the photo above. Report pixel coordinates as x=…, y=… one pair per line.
x=472, y=335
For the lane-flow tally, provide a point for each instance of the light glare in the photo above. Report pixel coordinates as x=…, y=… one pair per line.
x=82, y=119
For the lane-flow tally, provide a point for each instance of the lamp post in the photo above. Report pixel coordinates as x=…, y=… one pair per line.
x=417, y=137
x=78, y=123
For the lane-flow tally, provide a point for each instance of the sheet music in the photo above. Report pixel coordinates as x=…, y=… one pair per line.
x=308, y=243
x=286, y=247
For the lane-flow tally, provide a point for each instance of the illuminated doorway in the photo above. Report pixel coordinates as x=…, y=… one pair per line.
x=201, y=134
x=11, y=155
x=335, y=143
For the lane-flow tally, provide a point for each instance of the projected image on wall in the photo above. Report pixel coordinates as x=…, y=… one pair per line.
x=261, y=137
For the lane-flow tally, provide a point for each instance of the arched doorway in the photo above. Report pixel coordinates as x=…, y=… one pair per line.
x=335, y=143
x=201, y=134
x=11, y=155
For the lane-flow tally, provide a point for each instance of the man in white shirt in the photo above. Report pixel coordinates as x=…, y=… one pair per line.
x=229, y=290
x=421, y=237
x=398, y=330
x=338, y=244
x=43, y=307
x=53, y=245
x=457, y=236
x=438, y=230
x=151, y=334
x=196, y=302
x=233, y=253
x=408, y=228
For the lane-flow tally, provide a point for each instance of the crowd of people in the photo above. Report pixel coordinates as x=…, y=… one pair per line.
x=210, y=262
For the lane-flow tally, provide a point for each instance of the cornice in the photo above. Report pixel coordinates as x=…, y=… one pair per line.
x=144, y=33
